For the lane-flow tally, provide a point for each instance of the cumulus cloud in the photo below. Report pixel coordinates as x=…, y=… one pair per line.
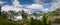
x=15, y=7
x=1, y=2
x=8, y=8
x=18, y=7
x=56, y=3
x=38, y=6
x=16, y=3
x=35, y=6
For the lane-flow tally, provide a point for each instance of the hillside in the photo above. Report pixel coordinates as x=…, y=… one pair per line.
x=54, y=14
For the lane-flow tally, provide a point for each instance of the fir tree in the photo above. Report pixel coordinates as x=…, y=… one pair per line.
x=0, y=10
x=24, y=15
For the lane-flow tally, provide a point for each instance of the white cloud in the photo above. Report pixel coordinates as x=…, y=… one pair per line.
x=55, y=4
x=1, y=2
x=13, y=8
x=45, y=10
x=8, y=8
x=16, y=7
x=16, y=3
x=38, y=6
x=35, y=6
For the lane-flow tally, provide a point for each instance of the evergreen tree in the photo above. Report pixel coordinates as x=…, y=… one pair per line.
x=49, y=22
x=57, y=20
x=24, y=15
x=44, y=19
x=0, y=10
x=35, y=14
x=36, y=22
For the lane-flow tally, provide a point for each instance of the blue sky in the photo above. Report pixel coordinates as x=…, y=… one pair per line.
x=25, y=2
x=30, y=5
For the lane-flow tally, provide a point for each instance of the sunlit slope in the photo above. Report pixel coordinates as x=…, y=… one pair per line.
x=54, y=14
